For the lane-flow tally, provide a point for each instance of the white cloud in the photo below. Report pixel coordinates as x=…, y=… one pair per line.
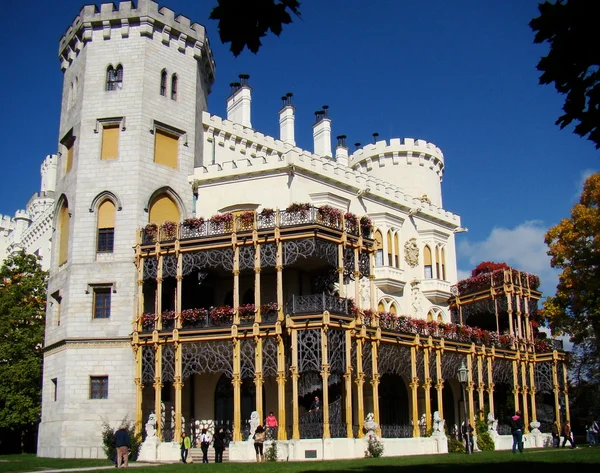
x=521, y=247
x=583, y=175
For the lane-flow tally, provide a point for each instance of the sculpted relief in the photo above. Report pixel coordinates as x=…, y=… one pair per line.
x=411, y=252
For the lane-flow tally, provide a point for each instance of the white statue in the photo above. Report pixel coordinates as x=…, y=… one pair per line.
x=370, y=425
x=492, y=423
x=254, y=422
x=438, y=424
x=416, y=299
x=535, y=427
x=151, y=426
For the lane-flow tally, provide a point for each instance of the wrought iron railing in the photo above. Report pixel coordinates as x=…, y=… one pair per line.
x=317, y=303
x=396, y=431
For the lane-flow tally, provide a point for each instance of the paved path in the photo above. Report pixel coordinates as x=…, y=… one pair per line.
x=94, y=468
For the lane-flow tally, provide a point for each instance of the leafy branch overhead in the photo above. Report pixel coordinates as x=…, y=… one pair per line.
x=244, y=22
x=573, y=62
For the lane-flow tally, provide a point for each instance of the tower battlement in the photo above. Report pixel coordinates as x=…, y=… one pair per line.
x=148, y=16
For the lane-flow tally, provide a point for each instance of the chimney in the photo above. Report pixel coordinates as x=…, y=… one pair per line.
x=238, y=103
x=341, y=151
x=286, y=120
x=322, y=133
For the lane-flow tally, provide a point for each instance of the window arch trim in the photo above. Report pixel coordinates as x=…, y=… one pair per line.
x=168, y=191
x=100, y=198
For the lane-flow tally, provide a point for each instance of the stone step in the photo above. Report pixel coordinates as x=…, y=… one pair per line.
x=196, y=454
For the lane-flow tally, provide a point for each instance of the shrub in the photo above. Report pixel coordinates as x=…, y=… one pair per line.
x=271, y=453
x=455, y=445
x=484, y=440
x=374, y=447
x=108, y=439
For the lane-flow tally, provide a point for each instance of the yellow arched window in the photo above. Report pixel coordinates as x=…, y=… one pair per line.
x=397, y=250
x=106, y=227
x=427, y=260
x=379, y=254
x=380, y=307
x=437, y=263
x=443, y=263
x=429, y=316
x=163, y=209
x=389, y=248
x=64, y=221
x=393, y=309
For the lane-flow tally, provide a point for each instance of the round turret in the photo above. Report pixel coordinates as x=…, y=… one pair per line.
x=414, y=165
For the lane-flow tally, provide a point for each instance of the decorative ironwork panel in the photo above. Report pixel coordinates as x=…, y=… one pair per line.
x=150, y=268
x=364, y=264
x=265, y=221
x=294, y=249
x=336, y=351
x=367, y=358
x=317, y=303
x=309, y=350
x=247, y=350
x=433, y=367
x=348, y=265
x=353, y=355
x=169, y=268
x=218, y=258
x=311, y=425
x=309, y=382
x=168, y=363
x=543, y=377
x=207, y=357
x=561, y=375
x=186, y=232
x=220, y=228
x=328, y=251
x=300, y=217
x=396, y=431
x=336, y=424
x=502, y=371
x=247, y=257
x=450, y=363
x=269, y=359
x=394, y=359
x=268, y=255
x=420, y=362
x=147, y=365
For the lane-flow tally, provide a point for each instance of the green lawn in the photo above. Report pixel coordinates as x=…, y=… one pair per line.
x=581, y=460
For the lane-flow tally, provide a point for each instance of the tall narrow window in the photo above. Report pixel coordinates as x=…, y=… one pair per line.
x=63, y=243
x=110, y=141
x=427, y=259
x=55, y=388
x=438, y=275
x=98, y=387
x=56, y=305
x=397, y=250
x=163, y=83
x=389, y=248
x=69, y=144
x=102, y=302
x=163, y=209
x=106, y=227
x=166, y=148
x=379, y=254
x=114, y=77
x=174, y=84
x=443, y=262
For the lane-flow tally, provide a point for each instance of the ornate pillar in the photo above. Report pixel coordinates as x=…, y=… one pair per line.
x=295, y=377
x=258, y=377
x=279, y=269
x=138, y=354
x=257, y=299
x=360, y=381
x=236, y=280
x=375, y=382
x=490, y=384
x=480, y=383
x=236, y=381
x=325, y=375
x=516, y=387
x=427, y=387
x=556, y=388
x=158, y=387
x=566, y=391
x=179, y=279
x=140, y=294
x=178, y=385
x=348, y=384
x=439, y=385
x=470, y=389
x=281, y=414
x=511, y=327
x=532, y=389
x=414, y=385
x=524, y=392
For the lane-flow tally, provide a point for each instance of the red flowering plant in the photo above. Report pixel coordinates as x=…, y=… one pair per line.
x=225, y=218
x=330, y=215
x=193, y=316
x=269, y=308
x=267, y=213
x=351, y=218
x=368, y=316
x=168, y=230
x=542, y=346
x=193, y=223
x=148, y=321
x=301, y=209
x=151, y=230
x=366, y=225
x=221, y=315
x=245, y=220
x=246, y=311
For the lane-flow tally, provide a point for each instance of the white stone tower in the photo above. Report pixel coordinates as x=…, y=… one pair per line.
x=136, y=82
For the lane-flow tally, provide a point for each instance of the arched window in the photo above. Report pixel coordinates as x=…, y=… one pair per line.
x=393, y=309
x=379, y=254
x=397, y=249
x=389, y=248
x=114, y=77
x=443, y=263
x=106, y=227
x=163, y=209
x=427, y=260
x=163, y=83
x=380, y=307
x=64, y=222
x=435, y=314
x=174, y=87
x=437, y=263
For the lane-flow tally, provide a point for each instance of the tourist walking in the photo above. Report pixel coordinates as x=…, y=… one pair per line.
x=566, y=433
x=204, y=444
x=271, y=425
x=467, y=433
x=185, y=447
x=592, y=432
x=122, y=445
x=555, y=435
x=219, y=445
x=259, y=440
x=516, y=429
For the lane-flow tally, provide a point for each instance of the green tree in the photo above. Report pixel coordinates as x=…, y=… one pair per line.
x=244, y=22
x=22, y=307
x=574, y=245
x=571, y=29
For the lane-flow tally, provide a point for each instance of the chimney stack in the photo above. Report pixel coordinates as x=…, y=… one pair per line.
x=322, y=133
x=341, y=150
x=238, y=103
x=287, y=120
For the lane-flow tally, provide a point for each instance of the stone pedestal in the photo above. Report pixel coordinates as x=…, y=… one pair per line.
x=149, y=450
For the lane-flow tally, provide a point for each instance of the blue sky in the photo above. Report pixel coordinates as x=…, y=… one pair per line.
x=459, y=74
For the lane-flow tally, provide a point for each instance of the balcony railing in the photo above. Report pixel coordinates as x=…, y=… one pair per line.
x=317, y=304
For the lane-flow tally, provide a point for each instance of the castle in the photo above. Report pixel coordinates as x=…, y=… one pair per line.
x=263, y=273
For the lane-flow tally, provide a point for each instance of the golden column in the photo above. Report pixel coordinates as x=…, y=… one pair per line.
x=360, y=380
x=516, y=390
x=511, y=327
x=375, y=380
x=325, y=376
x=524, y=392
x=178, y=385
x=236, y=381
x=532, y=389
x=279, y=269
x=414, y=385
x=138, y=316
x=295, y=378
x=556, y=388
x=470, y=386
x=179, y=281
x=258, y=376
x=236, y=281
x=490, y=375
x=566, y=391
x=439, y=385
x=427, y=384
x=157, y=384
x=138, y=354
x=348, y=382
x=281, y=414
x=480, y=382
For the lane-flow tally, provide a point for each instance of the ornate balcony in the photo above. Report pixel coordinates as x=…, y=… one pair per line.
x=436, y=290
x=317, y=304
x=389, y=279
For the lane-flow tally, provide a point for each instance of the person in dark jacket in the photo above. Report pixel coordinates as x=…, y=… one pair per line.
x=219, y=445
x=555, y=435
x=566, y=434
x=467, y=434
x=122, y=444
x=516, y=429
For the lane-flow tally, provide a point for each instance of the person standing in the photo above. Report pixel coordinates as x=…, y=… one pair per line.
x=259, y=440
x=204, y=444
x=592, y=432
x=555, y=435
x=219, y=445
x=271, y=424
x=516, y=429
x=467, y=433
x=185, y=447
x=316, y=404
x=566, y=433
x=122, y=445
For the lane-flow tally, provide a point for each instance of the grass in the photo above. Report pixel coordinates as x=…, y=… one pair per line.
x=532, y=461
